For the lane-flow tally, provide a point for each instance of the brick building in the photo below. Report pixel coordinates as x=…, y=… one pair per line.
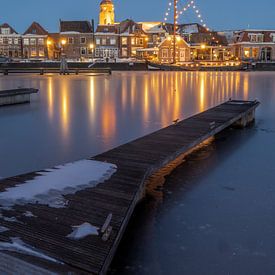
x=77, y=39
x=34, y=44
x=254, y=45
x=10, y=42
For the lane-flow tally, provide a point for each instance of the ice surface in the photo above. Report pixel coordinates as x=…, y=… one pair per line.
x=82, y=231
x=50, y=186
x=3, y=229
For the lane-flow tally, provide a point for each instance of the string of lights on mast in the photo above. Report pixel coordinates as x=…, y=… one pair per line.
x=190, y=5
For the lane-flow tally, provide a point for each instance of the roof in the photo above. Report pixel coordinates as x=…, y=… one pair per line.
x=76, y=26
x=6, y=25
x=152, y=27
x=36, y=29
x=243, y=36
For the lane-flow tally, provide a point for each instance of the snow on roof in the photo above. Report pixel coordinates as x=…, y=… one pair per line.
x=49, y=187
x=152, y=27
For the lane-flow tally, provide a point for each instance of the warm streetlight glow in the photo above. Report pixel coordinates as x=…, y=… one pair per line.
x=49, y=42
x=92, y=46
x=63, y=42
x=203, y=46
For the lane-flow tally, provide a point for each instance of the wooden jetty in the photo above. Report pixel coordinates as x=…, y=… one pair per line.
x=16, y=96
x=45, y=70
x=109, y=205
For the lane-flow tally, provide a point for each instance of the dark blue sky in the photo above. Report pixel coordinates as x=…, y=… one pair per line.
x=219, y=14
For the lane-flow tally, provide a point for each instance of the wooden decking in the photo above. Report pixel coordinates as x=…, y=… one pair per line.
x=136, y=161
x=16, y=96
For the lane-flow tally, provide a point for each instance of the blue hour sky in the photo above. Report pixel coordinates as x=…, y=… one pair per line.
x=218, y=14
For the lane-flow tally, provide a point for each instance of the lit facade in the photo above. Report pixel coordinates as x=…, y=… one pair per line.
x=107, y=13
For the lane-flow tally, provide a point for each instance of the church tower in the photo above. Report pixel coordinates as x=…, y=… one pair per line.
x=107, y=13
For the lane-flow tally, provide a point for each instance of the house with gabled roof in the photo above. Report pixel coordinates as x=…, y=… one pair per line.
x=35, y=42
x=10, y=42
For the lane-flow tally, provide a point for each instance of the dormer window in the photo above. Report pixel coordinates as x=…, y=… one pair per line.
x=33, y=31
x=256, y=37
x=5, y=31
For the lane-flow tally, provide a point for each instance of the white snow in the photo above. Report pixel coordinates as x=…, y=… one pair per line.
x=82, y=231
x=29, y=214
x=49, y=187
x=3, y=229
x=17, y=245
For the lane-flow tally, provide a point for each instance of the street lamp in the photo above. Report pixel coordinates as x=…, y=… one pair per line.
x=92, y=48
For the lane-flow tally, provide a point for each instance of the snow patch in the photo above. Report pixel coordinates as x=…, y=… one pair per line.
x=49, y=187
x=82, y=231
x=17, y=245
x=29, y=214
x=3, y=229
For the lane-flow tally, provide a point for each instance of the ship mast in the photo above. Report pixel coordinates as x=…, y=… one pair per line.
x=175, y=31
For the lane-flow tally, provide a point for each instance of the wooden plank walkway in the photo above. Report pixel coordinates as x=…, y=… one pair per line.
x=136, y=161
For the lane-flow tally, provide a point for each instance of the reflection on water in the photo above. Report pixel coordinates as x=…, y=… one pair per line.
x=213, y=215
x=77, y=116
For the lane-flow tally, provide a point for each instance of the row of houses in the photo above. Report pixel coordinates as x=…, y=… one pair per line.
x=80, y=40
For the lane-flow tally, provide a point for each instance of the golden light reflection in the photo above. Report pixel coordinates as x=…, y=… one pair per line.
x=202, y=93
x=92, y=100
x=50, y=97
x=245, y=86
x=64, y=109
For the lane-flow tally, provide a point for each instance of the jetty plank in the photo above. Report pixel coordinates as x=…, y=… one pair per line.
x=117, y=197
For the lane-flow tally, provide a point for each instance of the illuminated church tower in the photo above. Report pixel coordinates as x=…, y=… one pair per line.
x=107, y=13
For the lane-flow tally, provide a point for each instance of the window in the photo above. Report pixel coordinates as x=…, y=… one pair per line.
x=256, y=37
x=273, y=37
x=246, y=52
x=140, y=41
x=41, y=41
x=112, y=41
x=70, y=40
x=33, y=52
x=165, y=53
x=83, y=40
x=124, y=52
x=1, y=40
x=83, y=51
x=41, y=52
x=10, y=41
x=255, y=53
x=26, y=41
x=33, y=41
x=16, y=41
x=133, y=41
x=5, y=31
x=97, y=41
x=104, y=41
x=124, y=40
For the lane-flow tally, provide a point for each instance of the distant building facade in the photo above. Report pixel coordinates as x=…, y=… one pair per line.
x=10, y=42
x=254, y=45
x=77, y=39
x=34, y=44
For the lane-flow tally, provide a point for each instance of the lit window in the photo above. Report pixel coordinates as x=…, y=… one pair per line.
x=124, y=52
x=41, y=52
x=97, y=41
x=124, y=40
x=133, y=41
x=104, y=42
x=33, y=52
x=246, y=52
